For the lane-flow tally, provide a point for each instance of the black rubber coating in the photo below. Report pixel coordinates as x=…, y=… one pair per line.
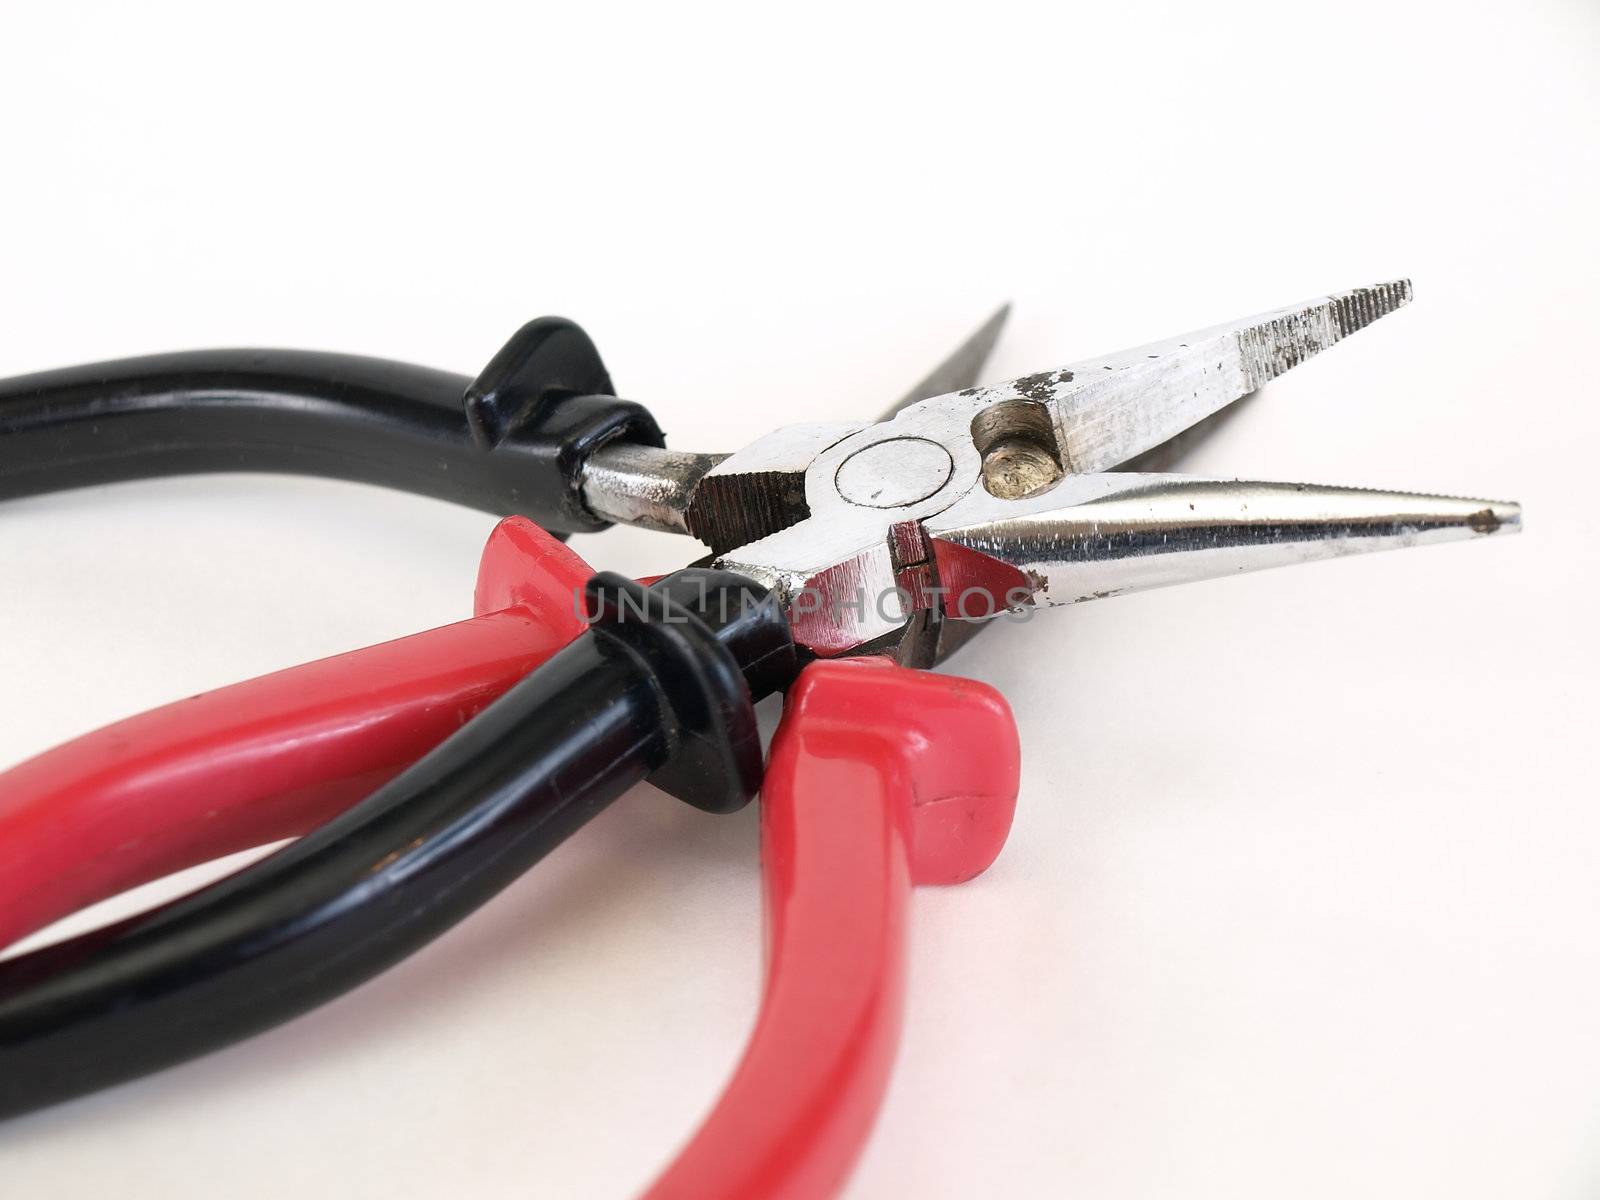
x=547, y=393
x=514, y=441
x=343, y=903
x=717, y=763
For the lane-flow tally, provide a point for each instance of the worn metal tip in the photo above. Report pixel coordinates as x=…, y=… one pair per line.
x=1497, y=516
x=1464, y=516
x=1360, y=307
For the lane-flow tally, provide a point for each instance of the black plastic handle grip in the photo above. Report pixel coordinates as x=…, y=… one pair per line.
x=513, y=441
x=662, y=686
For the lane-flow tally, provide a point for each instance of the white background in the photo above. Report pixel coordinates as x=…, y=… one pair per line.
x=1302, y=896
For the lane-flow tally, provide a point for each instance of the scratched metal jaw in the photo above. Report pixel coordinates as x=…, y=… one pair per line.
x=904, y=536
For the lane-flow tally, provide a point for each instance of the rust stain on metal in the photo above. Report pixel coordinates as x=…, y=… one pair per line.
x=1483, y=521
x=1041, y=387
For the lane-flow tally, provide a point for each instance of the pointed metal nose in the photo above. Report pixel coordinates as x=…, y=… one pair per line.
x=1357, y=513
x=1097, y=536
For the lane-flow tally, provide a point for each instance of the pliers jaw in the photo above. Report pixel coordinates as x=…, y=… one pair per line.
x=987, y=500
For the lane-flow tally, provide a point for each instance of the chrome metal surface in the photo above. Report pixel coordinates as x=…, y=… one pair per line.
x=991, y=499
x=757, y=490
x=643, y=485
x=1106, y=410
x=1028, y=516
x=1102, y=535
x=1170, y=454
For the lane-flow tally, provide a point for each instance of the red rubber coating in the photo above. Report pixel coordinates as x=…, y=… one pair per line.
x=272, y=757
x=879, y=778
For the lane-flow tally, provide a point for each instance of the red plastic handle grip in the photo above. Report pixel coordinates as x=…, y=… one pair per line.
x=272, y=757
x=879, y=778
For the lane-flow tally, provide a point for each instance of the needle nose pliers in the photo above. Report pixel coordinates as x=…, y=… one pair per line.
x=421, y=776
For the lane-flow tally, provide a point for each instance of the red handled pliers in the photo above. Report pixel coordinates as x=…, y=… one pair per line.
x=864, y=551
